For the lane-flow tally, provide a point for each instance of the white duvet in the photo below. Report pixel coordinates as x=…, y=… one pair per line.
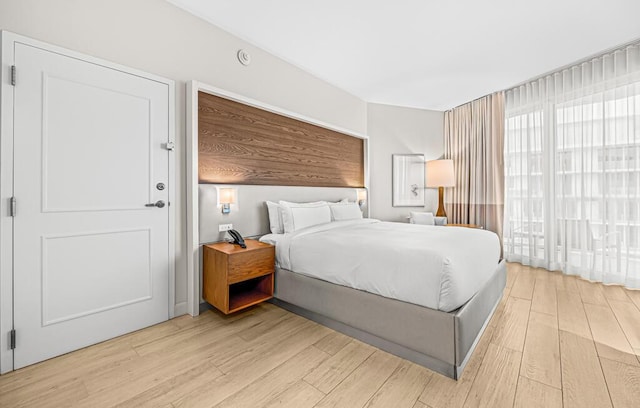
x=437, y=267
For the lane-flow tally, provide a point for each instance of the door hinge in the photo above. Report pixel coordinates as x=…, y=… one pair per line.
x=12, y=206
x=12, y=334
x=170, y=146
x=13, y=75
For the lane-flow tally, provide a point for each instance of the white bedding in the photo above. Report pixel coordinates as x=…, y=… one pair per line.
x=437, y=267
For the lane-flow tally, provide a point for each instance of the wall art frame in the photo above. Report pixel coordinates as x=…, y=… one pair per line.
x=408, y=180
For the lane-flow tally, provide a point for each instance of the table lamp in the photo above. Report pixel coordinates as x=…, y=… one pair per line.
x=440, y=175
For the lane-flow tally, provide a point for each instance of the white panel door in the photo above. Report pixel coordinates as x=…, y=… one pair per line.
x=91, y=260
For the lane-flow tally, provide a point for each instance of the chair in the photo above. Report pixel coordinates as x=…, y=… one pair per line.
x=425, y=218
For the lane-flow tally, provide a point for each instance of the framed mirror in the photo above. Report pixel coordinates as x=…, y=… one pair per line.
x=408, y=180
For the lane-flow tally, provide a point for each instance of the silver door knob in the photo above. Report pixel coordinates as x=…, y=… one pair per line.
x=158, y=204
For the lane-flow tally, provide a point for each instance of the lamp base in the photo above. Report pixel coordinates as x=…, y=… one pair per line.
x=441, y=212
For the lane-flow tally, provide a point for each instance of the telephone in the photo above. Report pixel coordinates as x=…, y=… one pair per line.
x=237, y=238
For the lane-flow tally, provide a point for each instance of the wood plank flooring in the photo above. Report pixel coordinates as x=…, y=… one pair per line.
x=554, y=341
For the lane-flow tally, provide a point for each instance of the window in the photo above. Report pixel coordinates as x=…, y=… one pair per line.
x=572, y=188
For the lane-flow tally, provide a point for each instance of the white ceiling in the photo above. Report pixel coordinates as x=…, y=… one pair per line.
x=422, y=53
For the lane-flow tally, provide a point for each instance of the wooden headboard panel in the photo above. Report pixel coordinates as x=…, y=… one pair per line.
x=241, y=144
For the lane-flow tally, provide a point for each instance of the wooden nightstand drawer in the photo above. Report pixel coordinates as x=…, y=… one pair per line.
x=235, y=278
x=251, y=264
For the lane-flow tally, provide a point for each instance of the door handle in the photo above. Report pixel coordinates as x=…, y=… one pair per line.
x=158, y=204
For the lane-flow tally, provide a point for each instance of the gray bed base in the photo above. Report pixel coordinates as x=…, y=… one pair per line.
x=440, y=341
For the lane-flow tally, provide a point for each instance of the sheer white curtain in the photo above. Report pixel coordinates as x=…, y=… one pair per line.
x=572, y=170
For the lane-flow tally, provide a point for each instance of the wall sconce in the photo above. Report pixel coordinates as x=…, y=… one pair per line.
x=362, y=196
x=227, y=197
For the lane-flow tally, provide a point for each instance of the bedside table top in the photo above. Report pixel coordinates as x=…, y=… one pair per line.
x=230, y=249
x=464, y=225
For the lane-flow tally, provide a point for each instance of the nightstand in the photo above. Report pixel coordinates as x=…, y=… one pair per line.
x=465, y=225
x=235, y=278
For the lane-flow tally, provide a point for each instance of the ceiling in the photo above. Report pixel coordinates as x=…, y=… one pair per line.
x=422, y=53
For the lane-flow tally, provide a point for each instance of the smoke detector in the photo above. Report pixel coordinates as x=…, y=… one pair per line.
x=244, y=57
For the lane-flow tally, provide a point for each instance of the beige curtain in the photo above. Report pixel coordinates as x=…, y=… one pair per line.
x=474, y=140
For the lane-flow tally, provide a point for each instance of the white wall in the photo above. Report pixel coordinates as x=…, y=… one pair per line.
x=394, y=129
x=157, y=37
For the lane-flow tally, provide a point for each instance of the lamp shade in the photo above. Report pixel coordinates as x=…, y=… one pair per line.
x=362, y=194
x=227, y=195
x=440, y=173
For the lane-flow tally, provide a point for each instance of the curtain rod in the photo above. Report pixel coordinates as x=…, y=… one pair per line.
x=578, y=62
x=562, y=68
x=476, y=99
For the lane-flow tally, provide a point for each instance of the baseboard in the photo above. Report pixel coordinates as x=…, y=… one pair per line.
x=180, y=309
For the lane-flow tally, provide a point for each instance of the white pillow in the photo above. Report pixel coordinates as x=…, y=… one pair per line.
x=296, y=216
x=275, y=217
x=425, y=218
x=345, y=211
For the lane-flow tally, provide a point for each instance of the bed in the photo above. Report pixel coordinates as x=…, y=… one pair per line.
x=275, y=155
x=424, y=293
x=436, y=267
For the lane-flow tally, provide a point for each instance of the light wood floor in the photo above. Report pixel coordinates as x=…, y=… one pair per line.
x=554, y=341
